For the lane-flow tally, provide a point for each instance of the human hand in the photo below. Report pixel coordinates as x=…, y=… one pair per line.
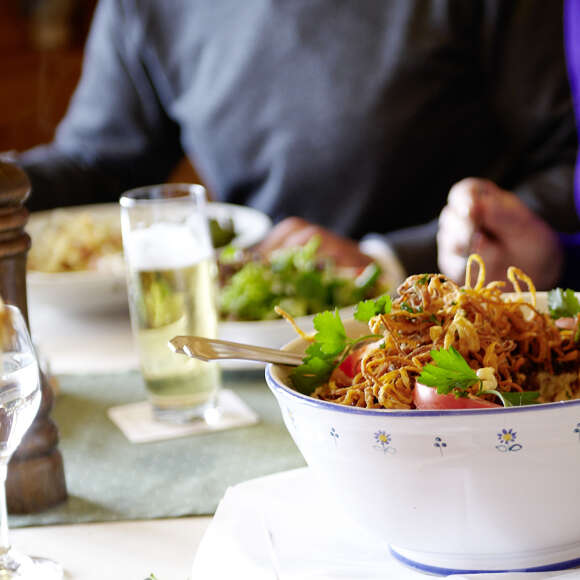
x=482, y=218
x=294, y=231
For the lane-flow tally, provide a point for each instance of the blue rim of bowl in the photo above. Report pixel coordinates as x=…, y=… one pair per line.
x=444, y=571
x=310, y=401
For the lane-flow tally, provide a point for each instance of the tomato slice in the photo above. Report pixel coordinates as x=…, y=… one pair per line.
x=350, y=366
x=426, y=397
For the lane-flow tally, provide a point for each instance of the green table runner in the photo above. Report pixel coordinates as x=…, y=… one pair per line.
x=109, y=478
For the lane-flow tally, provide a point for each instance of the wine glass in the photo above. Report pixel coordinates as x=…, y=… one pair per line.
x=19, y=402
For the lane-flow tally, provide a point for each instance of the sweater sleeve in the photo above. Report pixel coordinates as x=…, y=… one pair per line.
x=116, y=133
x=570, y=277
x=524, y=64
x=528, y=96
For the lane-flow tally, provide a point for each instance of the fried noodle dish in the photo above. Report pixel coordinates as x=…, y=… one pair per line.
x=510, y=345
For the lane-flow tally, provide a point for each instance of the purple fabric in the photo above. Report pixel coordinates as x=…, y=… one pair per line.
x=572, y=45
x=571, y=243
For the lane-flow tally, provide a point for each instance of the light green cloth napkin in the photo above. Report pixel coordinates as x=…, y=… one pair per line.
x=109, y=478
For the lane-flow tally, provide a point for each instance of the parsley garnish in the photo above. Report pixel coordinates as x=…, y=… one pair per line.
x=331, y=345
x=366, y=309
x=424, y=279
x=563, y=303
x=408, y=308
x=452, y=372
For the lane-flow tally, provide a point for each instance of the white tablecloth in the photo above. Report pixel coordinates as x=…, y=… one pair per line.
x=83, y=343
x=119, y=550
x=278, y=527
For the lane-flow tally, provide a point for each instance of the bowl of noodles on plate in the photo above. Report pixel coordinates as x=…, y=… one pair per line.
x=447, y=421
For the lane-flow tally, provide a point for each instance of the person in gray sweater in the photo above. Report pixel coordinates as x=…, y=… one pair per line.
x=356, y=117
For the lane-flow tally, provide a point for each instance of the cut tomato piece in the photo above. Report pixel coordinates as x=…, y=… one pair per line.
x=351, y=365
x=426, y=397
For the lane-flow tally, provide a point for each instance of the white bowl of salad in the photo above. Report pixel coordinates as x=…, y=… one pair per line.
x=297, y=280
x=478, y=474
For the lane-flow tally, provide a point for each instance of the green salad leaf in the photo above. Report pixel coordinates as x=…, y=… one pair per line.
x=297, y=279
x=515, y=398
x=222, y=231
x=563, y=303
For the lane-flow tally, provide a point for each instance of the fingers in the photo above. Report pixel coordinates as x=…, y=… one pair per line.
x=461, y=218
x=501, y=213
x=278, y=236
x=493, y=253
x=293, y=232
x=480, y=217
x=455, y=232
x=460, y=224
x=463, y=196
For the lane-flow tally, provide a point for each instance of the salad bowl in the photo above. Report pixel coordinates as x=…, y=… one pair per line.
x=448, y=491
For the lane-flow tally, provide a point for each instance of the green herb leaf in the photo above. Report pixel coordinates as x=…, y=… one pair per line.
x=311, y=373
x=515, y=398
x=366, y=309
x=563, y=303
x=331, y=335
x=408, y=308
x=368, y=277
x=451, y=372
x=331, y=346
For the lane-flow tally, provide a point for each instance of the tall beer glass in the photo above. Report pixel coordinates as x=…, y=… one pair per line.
x=172, y=291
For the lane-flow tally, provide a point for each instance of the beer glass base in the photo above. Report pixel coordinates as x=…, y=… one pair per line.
x=207, y=412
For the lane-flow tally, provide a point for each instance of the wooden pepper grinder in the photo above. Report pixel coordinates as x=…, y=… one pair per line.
x=35, y=472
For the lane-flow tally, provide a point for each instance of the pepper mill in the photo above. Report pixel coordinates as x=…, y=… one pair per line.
x=35, y=473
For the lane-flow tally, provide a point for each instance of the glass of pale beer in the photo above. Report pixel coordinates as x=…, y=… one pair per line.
x=172, y=282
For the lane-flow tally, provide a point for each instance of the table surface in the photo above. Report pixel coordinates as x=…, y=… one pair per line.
x=83, y=343
x=118, y=550
x=133, y=549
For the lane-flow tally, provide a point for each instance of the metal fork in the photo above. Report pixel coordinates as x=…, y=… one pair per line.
x=207, y=349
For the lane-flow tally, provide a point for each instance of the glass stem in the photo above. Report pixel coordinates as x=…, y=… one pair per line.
x=4, y=541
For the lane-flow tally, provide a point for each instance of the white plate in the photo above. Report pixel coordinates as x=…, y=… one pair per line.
x=92, y=291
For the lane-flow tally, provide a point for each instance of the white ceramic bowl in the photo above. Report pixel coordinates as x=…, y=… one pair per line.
x=466, y=490
x=106, y=290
